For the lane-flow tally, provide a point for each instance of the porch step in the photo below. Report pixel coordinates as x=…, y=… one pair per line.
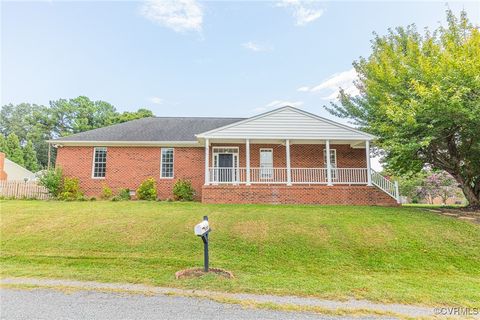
x=384, y=184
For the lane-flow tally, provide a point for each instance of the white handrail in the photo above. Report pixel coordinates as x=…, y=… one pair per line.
x=269, y=175
x=389, y=187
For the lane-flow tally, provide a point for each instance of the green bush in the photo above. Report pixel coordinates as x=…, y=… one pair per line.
x=124, y=194
x=183, y=190
x=107, y=193
x=147, y=190
x=52, y=180
x=71, y=190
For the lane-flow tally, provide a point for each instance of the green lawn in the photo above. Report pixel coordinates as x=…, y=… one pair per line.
x=383, y=254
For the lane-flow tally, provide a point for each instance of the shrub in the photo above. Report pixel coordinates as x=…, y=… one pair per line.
x=116, y=198
x=93, y=199
x=183, y=190
x=124, y=194
x=52, y=180
x=147, y=190
x=106, y=192
x=71, y=190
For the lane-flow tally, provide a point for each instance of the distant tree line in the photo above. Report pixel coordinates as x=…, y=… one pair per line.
x=25, y=127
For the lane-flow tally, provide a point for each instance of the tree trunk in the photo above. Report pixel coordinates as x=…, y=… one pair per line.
x=473, y=199
x=471, y=194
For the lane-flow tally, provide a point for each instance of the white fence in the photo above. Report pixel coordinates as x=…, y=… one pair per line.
x=20, y=189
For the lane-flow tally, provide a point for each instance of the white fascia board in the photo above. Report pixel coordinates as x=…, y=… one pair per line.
x=252, y=137
x=126, y=143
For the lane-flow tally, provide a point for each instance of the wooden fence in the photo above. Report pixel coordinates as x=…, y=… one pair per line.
x=20, y=189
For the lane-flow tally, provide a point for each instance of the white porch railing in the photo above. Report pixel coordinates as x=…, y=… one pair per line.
x=279, y=175
x=389, y=187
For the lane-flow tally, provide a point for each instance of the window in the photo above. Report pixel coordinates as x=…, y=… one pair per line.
x=166, y=164
x=99, y=162
x=333, y=161
x=266, y=163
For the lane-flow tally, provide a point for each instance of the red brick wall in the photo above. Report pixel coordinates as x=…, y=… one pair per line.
x=301, y=155
x=127, y=167
x=282, y=194
x=3, y=174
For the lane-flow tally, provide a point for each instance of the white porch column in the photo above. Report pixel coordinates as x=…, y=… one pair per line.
x=329, y=165
x=289, y=171
x=369, y=171
x=207, y=158
x=247, y=161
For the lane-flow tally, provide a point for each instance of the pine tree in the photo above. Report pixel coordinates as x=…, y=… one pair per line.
x=30, y=157
x=15, y=152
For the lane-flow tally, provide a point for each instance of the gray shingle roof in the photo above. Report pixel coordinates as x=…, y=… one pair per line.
x=153, y=129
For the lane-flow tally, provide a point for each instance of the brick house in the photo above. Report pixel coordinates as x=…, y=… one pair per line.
x=275, y=157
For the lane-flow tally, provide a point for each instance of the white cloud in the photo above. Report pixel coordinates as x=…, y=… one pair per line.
x=278, y=104
x=257, y=47
x=178, y=15
x=156, y=100
x=330, y=87
x=303, y=11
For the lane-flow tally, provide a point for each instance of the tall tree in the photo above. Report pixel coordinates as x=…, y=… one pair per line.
x=14, y=149
x=37, y=123
x=79, y=114
x=420, y=94
x=128, y=116
x=30, y=157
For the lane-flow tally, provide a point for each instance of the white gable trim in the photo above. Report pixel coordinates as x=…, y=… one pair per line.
x=216, y=133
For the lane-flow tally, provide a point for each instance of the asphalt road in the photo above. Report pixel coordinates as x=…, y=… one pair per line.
x=53, y=304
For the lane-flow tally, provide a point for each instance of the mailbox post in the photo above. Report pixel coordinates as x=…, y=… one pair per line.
x=202, y=230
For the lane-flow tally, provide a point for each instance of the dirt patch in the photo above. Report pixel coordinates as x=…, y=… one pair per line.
x=198, y=272
x=466, y=214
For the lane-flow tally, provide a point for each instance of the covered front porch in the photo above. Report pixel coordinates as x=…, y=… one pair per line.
x=287, y=162
x=282, y=153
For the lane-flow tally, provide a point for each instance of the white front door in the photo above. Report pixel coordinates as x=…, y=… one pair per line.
x=266, y=163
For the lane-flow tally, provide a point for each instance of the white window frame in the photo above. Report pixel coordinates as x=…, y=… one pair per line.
x=265, y=173
x=161, y=163
x=333, y=164
x=93, y=162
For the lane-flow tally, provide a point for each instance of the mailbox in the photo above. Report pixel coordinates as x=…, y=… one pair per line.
x=202, y=228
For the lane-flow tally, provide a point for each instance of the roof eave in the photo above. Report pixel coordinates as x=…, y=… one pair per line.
x=124, y=143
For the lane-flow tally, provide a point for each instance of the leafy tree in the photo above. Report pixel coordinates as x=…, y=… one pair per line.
x=420, y=95
x=38, y=123
x=30, y=157
x=128, y=116
x=13, y=149
x=79, y=114
x=3, y=144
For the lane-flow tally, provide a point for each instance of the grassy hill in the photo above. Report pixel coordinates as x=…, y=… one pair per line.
x=382, y=254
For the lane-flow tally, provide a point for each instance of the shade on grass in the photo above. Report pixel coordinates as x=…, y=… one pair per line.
x=382, y=254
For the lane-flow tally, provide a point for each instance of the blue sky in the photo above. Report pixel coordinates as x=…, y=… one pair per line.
x=192, y=58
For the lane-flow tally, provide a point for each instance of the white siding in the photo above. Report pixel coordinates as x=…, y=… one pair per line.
x=288, y=123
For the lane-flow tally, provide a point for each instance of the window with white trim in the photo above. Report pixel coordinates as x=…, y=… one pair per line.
x=166, y=165
x=333, y=161
x=266, y=163
x=99, y=167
